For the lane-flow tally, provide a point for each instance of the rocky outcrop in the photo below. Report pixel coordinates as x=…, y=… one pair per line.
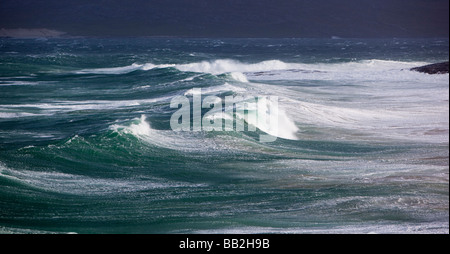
x=437, y=68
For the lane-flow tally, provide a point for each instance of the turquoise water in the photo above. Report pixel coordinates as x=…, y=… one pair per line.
x=86, y=144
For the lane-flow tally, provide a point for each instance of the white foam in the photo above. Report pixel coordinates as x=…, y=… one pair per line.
x=142, y=130
x=239, y=76
x=139, y=129
x=113, y=70
x=280, y=125
x=366, y=70
x=275, y=69
x=68, y=106
x=16, y=114
x=277, y=123
x=186, y=141
x=408, y=123
x=124, y=69
x=216, y=89
x=150, y=66
x=221, y=66
x=231, y=66
x=367, y=100
x=215, y=67
x=380, y=228
x=14, y=230
x=18, y=83
x=84, y=185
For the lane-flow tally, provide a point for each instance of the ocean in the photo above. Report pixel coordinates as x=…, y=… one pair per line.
x=86, y=143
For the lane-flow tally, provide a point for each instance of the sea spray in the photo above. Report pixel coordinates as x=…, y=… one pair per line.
x=259, y=112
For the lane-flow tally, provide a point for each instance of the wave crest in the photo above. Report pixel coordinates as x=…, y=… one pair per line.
x=238, y=69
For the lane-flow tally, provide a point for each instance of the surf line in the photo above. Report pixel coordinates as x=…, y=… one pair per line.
x=229, y=115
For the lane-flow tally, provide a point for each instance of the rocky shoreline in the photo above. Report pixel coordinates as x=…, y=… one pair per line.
x=437, y=68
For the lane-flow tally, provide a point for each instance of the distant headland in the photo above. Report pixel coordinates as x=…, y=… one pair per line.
x=30, y=33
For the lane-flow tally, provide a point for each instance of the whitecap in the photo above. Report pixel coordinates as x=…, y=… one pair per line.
x=112, y=70
x=226, y=87
x=222, y=66
x=239, y=76
x=84, y=185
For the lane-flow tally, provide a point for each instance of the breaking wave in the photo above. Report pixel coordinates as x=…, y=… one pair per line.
x=221, y=66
